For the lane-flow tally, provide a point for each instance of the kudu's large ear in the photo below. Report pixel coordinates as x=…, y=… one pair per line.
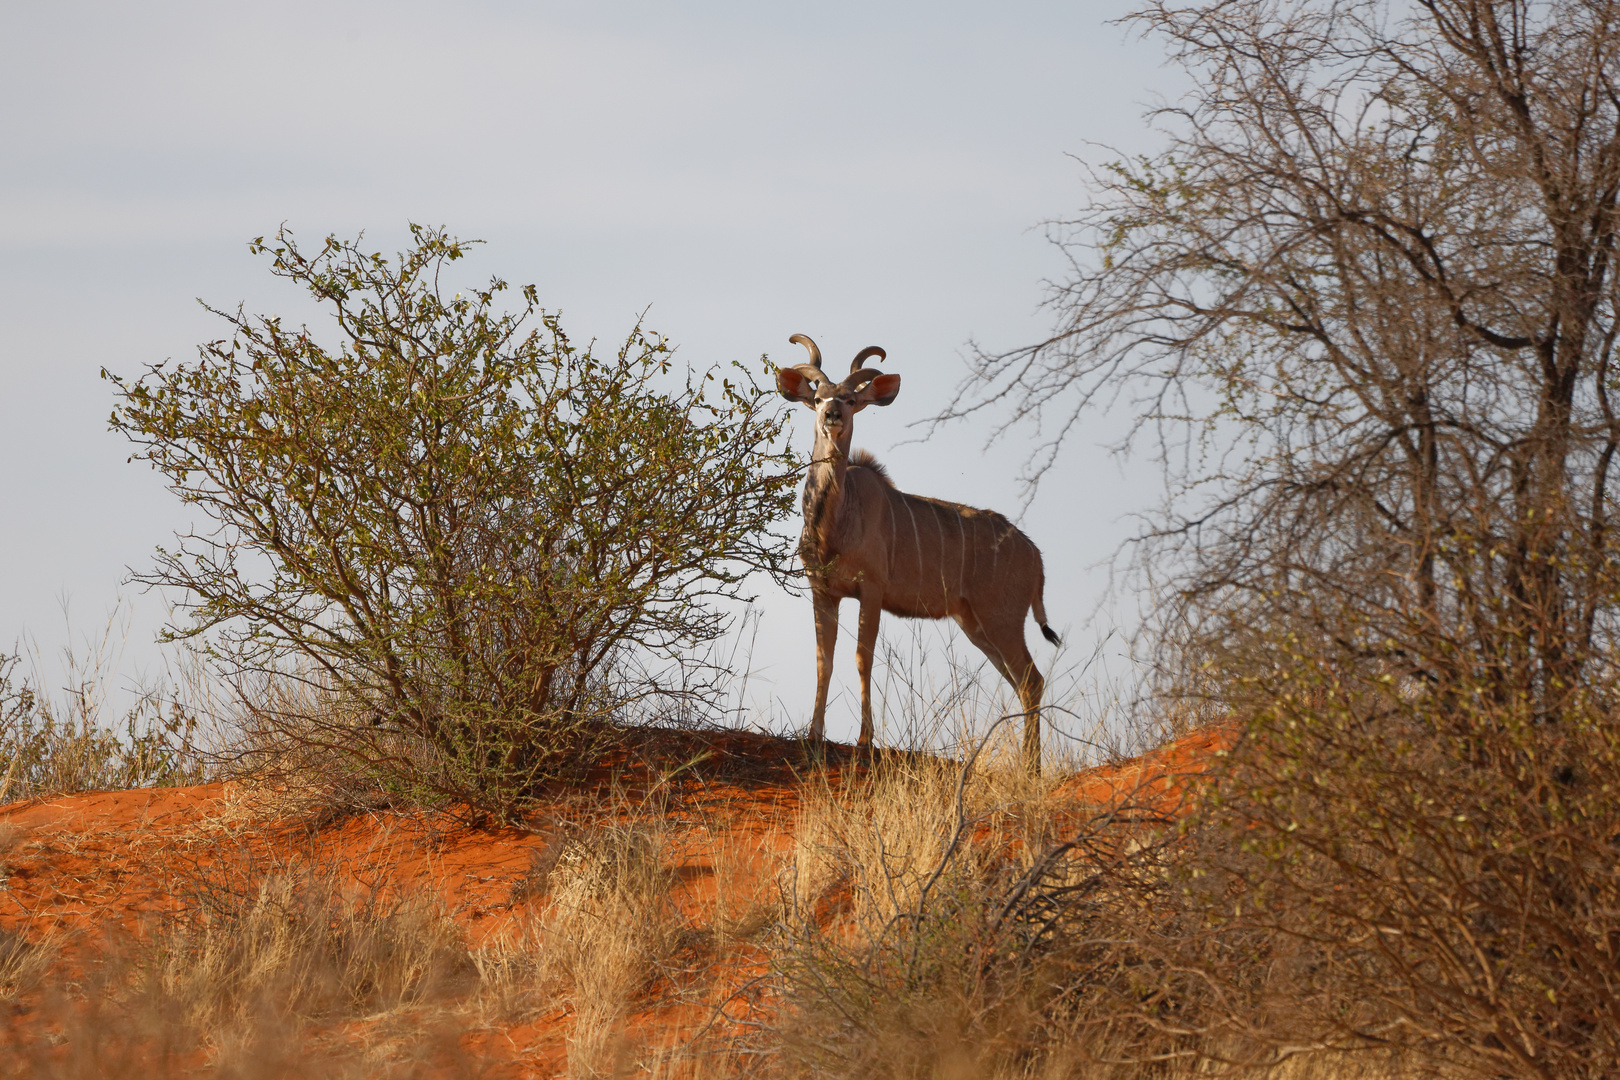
x=793, y=384
x=880, y=391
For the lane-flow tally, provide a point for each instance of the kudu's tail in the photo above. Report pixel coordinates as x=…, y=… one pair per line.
x=1038, y=609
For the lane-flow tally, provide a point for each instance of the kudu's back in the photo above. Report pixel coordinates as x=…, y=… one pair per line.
x=937, y=556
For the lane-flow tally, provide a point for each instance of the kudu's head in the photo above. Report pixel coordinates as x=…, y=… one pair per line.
x=836, y=403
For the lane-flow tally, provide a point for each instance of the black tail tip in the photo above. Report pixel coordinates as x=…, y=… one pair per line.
x=1046, y=632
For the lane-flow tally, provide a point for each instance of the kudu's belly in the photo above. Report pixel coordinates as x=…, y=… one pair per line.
x=909, y=602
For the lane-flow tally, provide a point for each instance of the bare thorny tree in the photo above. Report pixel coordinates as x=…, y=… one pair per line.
x=1365, y=298
x=1364, y=308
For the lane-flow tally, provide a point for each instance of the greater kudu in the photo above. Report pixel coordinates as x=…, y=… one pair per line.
x=912, y=556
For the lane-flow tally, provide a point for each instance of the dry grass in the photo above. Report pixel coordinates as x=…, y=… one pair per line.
x=878, y=956
x=941, y=925
x=878, y=944
x=606, y=929
x=24, y=963
x=603, y=924
x=933, y=698
x=300, y=947
x=94, y=1038
x=70, y=742
x=747, y=899
x=871, y=928
x=894, y=832
x=262, y=972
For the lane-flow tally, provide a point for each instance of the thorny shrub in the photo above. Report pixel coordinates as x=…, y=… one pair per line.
x=1413, y=867
x=487, y=541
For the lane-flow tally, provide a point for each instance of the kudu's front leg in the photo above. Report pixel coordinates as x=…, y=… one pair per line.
x=826, y=609
x=865, y=641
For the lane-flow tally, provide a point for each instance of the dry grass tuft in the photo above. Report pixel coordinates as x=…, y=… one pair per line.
x=883, y=955
x=747, y=900
x=261, y=973
x=874, y=841
x=607, y=927
x=889, y=836
x=23, y=963
x=603, y=926
x=297, y=946
x=51, y=745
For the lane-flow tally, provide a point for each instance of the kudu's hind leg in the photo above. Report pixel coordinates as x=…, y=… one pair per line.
x=1005, y=648
x=1030, y=687
x=826, y=609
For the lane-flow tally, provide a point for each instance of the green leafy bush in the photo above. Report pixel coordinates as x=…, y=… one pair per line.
x=476, y=536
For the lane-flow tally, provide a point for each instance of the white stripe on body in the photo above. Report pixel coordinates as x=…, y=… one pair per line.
x=889, y=575
x=961, y=569
x=916, y=538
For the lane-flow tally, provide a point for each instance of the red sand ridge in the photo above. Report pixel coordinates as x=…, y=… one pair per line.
x=104, y=862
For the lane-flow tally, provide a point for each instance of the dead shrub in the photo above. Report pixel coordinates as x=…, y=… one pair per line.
x=1363, y=303
x=1417, y=869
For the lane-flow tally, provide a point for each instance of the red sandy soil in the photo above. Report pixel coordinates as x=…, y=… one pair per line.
x=1158, y=779
x=105, y=862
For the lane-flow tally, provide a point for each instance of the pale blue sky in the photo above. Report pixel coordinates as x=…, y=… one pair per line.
x=869, y=173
